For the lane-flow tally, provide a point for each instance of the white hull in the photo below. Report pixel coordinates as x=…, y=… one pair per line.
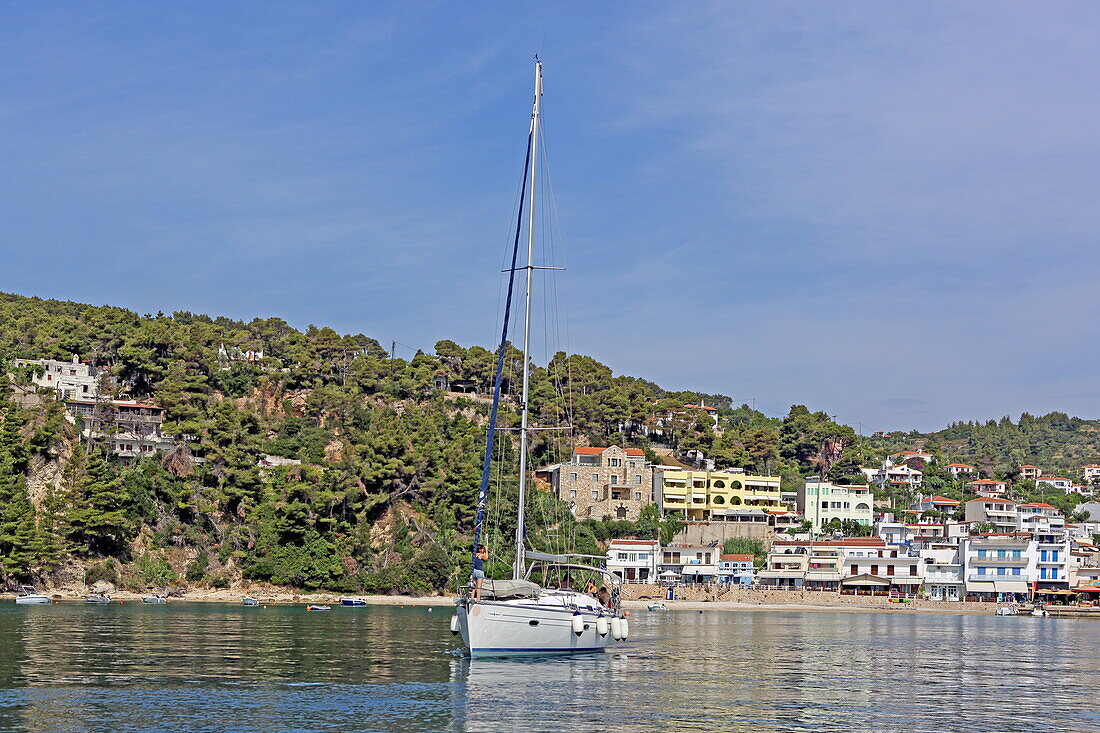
x=526, y=628
x=32, y=600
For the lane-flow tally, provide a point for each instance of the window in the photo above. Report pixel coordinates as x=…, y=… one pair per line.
x=637, y=496
x=638, y=478
x=981, y=571
x=596, y=478
x=615, y=462
x=1016, y=571
x=572, y=477
x=572, y=493
x=719, y=484
x=614, y=478
x=596, y=494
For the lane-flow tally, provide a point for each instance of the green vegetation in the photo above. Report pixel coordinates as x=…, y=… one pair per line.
x=383, y=498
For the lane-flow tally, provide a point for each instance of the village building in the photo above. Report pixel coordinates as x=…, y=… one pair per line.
x=71, y=380
x=999, y=513
x=609, y=482
x=1029, y=472
x=634, y=561
x=988, y=488
x=1057, y=482
x=729, y=495
x=736, y=569
x=1090, y=473
x=959, y=469
x=690, y=563
x=128, y=429
x=820, y=502
x=909, y=456
x=889, y=475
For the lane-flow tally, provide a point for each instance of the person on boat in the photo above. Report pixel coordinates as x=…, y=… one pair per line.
x=477, y=575
x=604, y=596
x=590, y=588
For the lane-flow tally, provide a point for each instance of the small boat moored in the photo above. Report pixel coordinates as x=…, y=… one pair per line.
x=1040, y=610
x=357, y=602
x=29, y=596
x=154, y=600
x=318, y=608
x=658, y=606
x=97, y=598
x=249, y=601
x=1007, y=611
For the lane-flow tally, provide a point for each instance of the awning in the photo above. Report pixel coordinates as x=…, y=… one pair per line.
x=670, y=574
x=700, y=570
x=822, y=577
x=867, y=580
x=1010, y=586
x=786, y=574
x=980, y=586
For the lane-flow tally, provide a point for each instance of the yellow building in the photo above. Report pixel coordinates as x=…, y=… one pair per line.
x=718, y=495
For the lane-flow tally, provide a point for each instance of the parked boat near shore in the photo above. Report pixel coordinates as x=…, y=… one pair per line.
x=29, y=596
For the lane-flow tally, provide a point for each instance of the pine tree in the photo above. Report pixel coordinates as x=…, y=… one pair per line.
x=98, y=520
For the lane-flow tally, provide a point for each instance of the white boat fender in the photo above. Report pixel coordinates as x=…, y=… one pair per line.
x=454, y=623
x=616, y=628
x=601, y=625
x=578, y=624
x=625, y=629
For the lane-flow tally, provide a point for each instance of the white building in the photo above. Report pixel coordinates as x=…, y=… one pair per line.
x=959, y=469
x=998, y=565
x=943, y=573
x=906, y=456
x=988, y=488
x=1058, y=482
x=691, y=563
x=1091, y=473
x=820, y=502
x=1000, y=513
x=70, y=379
x=894, y=476
x=736, y=569
x=634, y=561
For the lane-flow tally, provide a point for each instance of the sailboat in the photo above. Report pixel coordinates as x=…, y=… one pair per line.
x=518, y=617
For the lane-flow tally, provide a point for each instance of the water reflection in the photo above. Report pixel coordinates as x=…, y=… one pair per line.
x=72, y=667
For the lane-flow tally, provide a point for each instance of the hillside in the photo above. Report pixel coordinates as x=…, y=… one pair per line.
x=389, y=463
x=312, y=459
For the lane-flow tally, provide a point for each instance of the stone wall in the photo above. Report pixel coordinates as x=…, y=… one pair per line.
x=704, y=533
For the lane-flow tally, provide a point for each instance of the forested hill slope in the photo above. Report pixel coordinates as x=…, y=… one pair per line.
x=1056, y=442
x=384, y=496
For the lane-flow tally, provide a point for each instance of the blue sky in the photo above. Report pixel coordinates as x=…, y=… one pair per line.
x=884, y=210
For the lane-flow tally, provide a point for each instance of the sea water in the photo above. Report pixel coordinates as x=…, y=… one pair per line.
x=219, y=667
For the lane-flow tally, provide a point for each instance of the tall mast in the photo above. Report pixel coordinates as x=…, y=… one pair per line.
x=518, y=568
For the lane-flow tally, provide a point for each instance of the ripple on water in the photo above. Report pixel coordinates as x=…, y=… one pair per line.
x=190, y=666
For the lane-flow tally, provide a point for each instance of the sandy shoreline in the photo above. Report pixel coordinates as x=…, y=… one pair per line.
x=283, y=597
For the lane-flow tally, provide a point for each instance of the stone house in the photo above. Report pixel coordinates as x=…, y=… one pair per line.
x=604, y=482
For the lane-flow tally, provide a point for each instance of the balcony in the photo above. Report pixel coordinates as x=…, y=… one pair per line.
x=999, y=561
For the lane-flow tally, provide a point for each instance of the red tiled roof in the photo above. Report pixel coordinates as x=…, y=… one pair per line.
x=984, y=481
x=1041, y=505
x=735, y=558
x=700, y=407
x=959, y=465
x=993, y=501
x=943, y=500
x=634, y=542
x=1028, y=465
x=1053, y=478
